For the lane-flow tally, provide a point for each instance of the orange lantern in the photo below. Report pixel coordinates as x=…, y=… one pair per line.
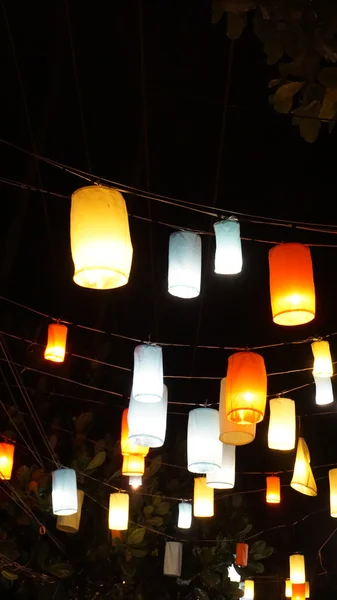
x=56, y=344
x=246, y=388
x=241, y=558
x=273, y=492
x=292, y=288
x=128, y=446
x=6, y=460
x=133, y=464
x=298, y=591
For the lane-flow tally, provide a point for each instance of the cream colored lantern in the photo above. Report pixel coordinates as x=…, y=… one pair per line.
x=249, y=590
x=204, y=449
x=119, y=511
x=333, y=492
x=71, y=523
x=288, y=590
x=203, y=501
x=297, y=568
x=147, y=421
x=282, y=424
x=173, y=559
x=224, y=478
x=324, y=393
x=303, y=480
x=322, y=359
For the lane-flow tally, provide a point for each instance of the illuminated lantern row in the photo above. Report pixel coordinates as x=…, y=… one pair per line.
x=203, y=500
x=246, y=388
x=228, y=253
x=224, y=478
x=119, y=511
x=148, y=373
x=233, y=433
x=184, y=272
x=56, y=343
x=322, y=359
x=71, y=523
x=273, y=491
x=135, y=481
x=282, y=424
x=204, y=449
x=6, y=460
x=324, y=393
x=147, y=421
x=333, y=492
x=249, y=590
x=303, y=480
x=64, y=492
x=297, y=568
x=184, y=515
x=241, y=555
x=173, y=558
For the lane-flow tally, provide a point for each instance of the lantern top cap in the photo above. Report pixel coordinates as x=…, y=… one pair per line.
x=96, y=186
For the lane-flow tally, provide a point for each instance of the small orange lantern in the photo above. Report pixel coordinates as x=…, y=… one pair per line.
x=56, y=344
x=128, y=446
x=241, y=558
x=133, y=464
x=246, y=388
x=298, y=591
x=6, y=460
x=273, y=492
x=292, y=288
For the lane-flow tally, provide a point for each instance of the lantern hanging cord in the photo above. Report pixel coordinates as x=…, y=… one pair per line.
x=25, y=571
x=319, y=553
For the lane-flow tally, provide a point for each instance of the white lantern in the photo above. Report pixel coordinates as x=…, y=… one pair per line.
x=204, y=449
x=233, y=574
x=135, y=481
x=147, y=422
x=64, y=492
x=184, y=515
x=228, y=253
x=224, y=478
x=148, y=373
x=324, y=393
x=184, y=273
x=173, y=559
x=282, y=424
x=71, y=523
x=119, y=511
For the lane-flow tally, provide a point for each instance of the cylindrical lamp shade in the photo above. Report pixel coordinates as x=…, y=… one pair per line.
x=6, y=460
x=173, y=559
x=127, y=446
x=133, y=464
x=184, y=272
x=288, y=589
x=56, y=343
x=224, y=478
x=324, y=392
x=228, y=253
x=241, y=554
x=119, y=511
x=100, y=238
x=292, y=289
x=71, y=523
x=298, y=591
x=148, y=373
x=307, y=589
x=246, y=388
x=303, y=480
x=233, y=433
x=184, y=515
x=333, y=492
x=322, y=359
x=147, y=422
x=297, y=568
x=64, y=492
x=203, y=500
x=204, y=449
x=273, y=491
x=282, y=424
x=135, y=481
x=249, y=590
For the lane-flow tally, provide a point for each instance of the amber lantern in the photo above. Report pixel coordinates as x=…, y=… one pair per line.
x=128, y=446
x=333, y=492
x=307, y=589
x=133, y=464
x=203, y=500
x=292, y=289
x=241, y=555
x=288, y=590
x=246, y=388
x=119, y=511
x=233, y=433
x=298, y=591
x=56, y=343
x=273, y=491
x=249, y=589
x=297, y=568
x=6, y=460
x=322, y=359
x=303, y=480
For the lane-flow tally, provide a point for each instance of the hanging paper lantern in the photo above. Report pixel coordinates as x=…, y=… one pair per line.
x=147, y=422
x=333, y=492
x=203, y=500
x=135, y=481
x=307, y=589
x=288, y=591
x=249, y=590
x=273, y=492
x=292, y=289
x=204, y=449
x=322, y=359
x=119, y=511
x=324, y=393
x=233, y=433
x=282, y=424
x=224, y=478
x=184, y=515
x=298, y=591
x=148, y=373
x=56, y=344
x=71, y=523
x=133, y=464
x=297, y=568
x=233, y=574
x=241, y=556
x=173, y=559
x=184, y=273
x=303, y=480
x=100, y=238
x=64, y=492
x=127, y=446
x=6, y=460
x=228, y=253
x=246, y=388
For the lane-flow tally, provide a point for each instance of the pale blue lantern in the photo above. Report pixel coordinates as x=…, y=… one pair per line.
x=147, y=422
x=148, y=373
x=228, y=252
x=64, y=492
x=184, y=272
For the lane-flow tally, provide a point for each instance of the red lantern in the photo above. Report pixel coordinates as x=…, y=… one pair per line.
x=241, y=558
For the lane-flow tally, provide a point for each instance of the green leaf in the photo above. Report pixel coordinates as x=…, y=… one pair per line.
x=246, y=530
x=328, y=77
x=138, y=552
x=163, y=508
x=235, y=25
x=329, y=105
x=212, y=580
x=9, y=576
x=218, y=11
x=97, y=461
x=255, y=567
x=82, y=422
x=155, y=521
x=274, y=82
x=148, y=510
x=100, y=445
x=200, y=594
x=310, y=126
x=283, y=97
x=61, y=570
x=136, y=536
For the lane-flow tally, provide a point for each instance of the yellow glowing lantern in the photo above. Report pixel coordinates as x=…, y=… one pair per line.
x=298, y=591
x=249, y=589
x=273, y=492
x=246, y=388
x=288, y=590
x=203, y=501
x=6, y=460
x=307, y=589
x=233, y=433
x=303, y=480
x=128, y=446
x=71, y=523
x=333, y=492
x=322, y=359
x=119, y=511
x=297, y=568
x=56, y=344
x=100, y=238
x=282, y=424
x=133, y=464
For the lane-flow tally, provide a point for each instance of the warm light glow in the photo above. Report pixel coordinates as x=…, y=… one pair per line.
x=307, y=589
x=298, y=591
x=282, y=424
x=147, y=421
x=100, y=238
x=224, y=478
x=288, y=591
x=148, y=373
x=333, y=492
x=292, y=289
x=249, y=590
x=135, y=481
x=6, y=460
x=56, y=344
x=64, y=492
x=127, y=446
x=246, y=388
x=297, y=568
x=71, y=523
x=119, y=511
x=233, y=433
x=184, y=515
x=273, y=491
x=303, y=480
x=228, y=253
x=173, y=558
x=204, y=449
x=184, y=274
x=322, y=359
x=324, y=393
x=203, y=500
x=133, y=464
x=241, y=555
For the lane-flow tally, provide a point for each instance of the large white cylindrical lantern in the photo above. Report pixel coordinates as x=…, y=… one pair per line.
x=147, y=422
x=148, y=373
x=184, y=515
x=71, y=523
x=333, y=492
x=322, y=359
x=204, y=449
x=203, y=499
x=297, y=568
x=184, y=273
x=64, y=492
x=224, y=478
x=173, y=559
x=233, y=433
x=100, y=238
x=282, y=424
x=228, y=253
x=119, y=511
x=324, y=393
